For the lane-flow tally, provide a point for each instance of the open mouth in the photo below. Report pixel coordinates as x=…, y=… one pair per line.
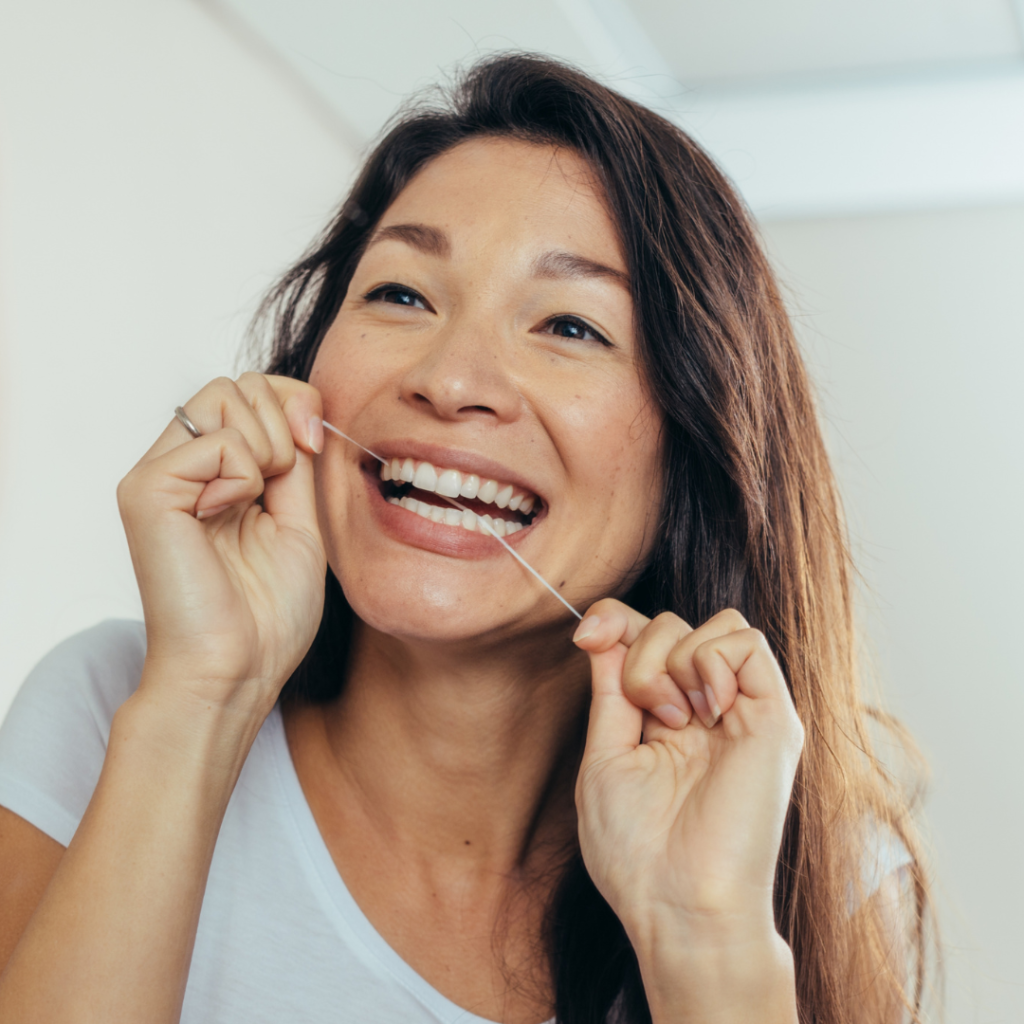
x=421, y=487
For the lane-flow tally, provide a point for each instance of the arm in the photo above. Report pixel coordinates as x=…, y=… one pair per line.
x=112, y=937
x=232, y=593
x=28, y=859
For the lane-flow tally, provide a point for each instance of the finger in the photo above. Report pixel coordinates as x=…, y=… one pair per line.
x=740, y=662
x=273, y=413
x=290, y=497
x=221, y=403
x=607, y=623
x=303, y=409
x=645, y=679
x=266, y=407
x=214, y=470
x=708, y=703
x=615, y=722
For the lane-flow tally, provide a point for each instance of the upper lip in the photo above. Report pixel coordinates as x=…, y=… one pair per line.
x=454, y=458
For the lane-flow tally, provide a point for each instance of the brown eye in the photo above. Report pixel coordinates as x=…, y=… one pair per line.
x=397, y=295
x=572, y=328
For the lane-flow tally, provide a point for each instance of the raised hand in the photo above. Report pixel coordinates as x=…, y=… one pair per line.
x=681, y=830
x=232, y=589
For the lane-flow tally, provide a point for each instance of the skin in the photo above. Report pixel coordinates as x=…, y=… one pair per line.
x=443, y=756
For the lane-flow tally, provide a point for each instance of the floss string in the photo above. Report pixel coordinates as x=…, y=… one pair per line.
x=480, y=522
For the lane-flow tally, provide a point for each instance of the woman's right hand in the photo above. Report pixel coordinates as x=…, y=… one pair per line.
x=232, y=592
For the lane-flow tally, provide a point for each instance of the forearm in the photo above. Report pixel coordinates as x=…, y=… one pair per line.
x=746, y=978
x=112, y=937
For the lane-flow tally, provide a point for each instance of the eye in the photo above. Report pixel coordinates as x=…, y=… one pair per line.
x=397, y=295
x=573, y=328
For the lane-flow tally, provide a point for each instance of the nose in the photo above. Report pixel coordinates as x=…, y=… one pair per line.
x=461, y=374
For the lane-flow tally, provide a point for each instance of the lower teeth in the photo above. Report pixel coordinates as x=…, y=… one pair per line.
x=455, y=517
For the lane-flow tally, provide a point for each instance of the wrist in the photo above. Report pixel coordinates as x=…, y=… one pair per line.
x=724, y=971
x=190, y=736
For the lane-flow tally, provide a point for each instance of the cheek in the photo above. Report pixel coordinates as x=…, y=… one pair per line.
x=618, y=459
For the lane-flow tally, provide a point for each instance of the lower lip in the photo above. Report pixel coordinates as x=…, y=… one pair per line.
x=410, y=528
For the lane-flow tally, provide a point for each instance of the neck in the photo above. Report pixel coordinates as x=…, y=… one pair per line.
x=466, y=753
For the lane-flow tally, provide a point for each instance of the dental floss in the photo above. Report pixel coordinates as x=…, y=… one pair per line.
x=341, y=433
x=480, y=521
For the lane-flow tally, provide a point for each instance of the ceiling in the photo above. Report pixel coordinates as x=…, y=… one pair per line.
x=814, y=107
x=745, y=41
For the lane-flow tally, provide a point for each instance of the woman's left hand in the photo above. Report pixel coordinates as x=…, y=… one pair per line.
x=691, y=753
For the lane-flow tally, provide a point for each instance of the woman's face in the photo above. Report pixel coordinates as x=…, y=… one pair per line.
x=486, y=346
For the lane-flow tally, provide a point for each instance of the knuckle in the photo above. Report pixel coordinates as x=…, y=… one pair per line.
x=252, y=379
x=705, y=653
x=667, y=621
x=645, y=688
x=760, y=641
x=733, y=618
x=604, y=606
x=223, y=385
x=679, y=660
x=124, y=492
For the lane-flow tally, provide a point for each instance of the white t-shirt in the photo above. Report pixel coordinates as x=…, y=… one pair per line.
x=280, y=938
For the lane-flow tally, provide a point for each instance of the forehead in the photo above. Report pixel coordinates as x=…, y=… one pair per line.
x=519, y=193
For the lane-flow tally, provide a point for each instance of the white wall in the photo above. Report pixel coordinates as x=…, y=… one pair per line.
x=153, y=179
x=914, y=330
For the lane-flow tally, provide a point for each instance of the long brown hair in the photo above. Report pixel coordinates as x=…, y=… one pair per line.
x=751, y=517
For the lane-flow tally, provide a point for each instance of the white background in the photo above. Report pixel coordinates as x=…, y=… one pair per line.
x=161, y=162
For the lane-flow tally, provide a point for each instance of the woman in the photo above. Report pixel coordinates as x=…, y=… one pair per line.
x=545, y=302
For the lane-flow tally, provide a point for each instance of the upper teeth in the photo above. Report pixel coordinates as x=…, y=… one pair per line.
x=450, y=483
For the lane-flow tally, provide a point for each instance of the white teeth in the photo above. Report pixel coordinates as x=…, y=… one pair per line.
x=425, y=477
x=457, y=517
x=488, y=490
x=449, y=483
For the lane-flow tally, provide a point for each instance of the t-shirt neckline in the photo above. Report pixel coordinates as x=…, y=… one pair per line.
x=338, y=902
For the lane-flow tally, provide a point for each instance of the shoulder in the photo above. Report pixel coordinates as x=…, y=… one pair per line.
x=54, y=738
x=95, y=671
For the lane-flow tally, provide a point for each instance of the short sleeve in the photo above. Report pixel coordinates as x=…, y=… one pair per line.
x=54, y=738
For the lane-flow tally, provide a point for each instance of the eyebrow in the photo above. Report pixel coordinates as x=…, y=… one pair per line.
x=432, y=241
x=554, y=264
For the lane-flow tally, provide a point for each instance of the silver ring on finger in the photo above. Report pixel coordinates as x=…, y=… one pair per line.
x=187, y=423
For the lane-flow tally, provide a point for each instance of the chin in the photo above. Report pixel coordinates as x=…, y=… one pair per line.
x=429, y=611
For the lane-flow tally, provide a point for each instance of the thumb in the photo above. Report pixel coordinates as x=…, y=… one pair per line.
x=615, y=723
x=290, y=497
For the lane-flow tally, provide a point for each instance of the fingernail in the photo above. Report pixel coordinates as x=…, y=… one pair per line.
x=316, y=434
x=586, y=628
x=700, y=707
x=205, y=513
x=716, y=711
x=671, y=715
